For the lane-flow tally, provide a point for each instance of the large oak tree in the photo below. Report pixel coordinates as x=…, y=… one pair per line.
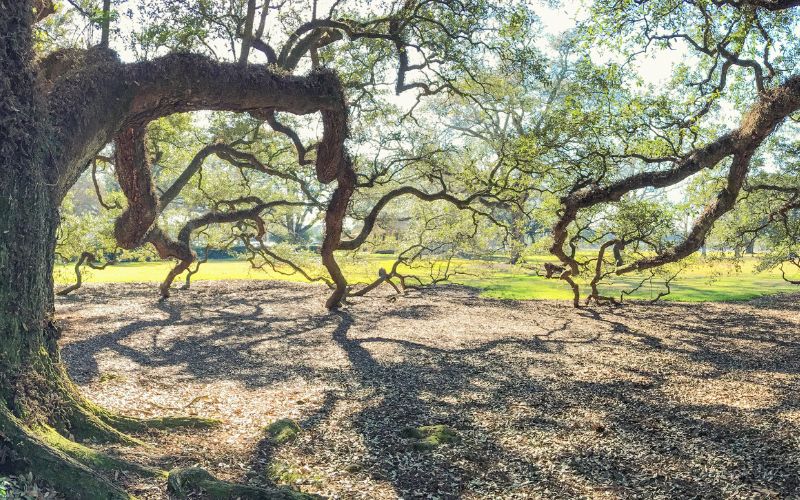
x=58, y=112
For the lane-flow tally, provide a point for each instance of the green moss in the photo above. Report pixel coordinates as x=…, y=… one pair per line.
x=110, y=377
x=282, y=431
x=428, y=437
x=130, y=424
x=186, y=483
x=85, y=455
x=51, y=458
x=284, y=473
x=87, y=423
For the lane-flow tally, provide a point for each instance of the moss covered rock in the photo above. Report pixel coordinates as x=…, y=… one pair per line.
x=428, y=437
x=282, y=431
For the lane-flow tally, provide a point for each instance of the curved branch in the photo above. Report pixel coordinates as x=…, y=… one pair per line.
x=97, y=192
x=369, y=221
x=761, y=120
x=99, y=96
x=88, y=259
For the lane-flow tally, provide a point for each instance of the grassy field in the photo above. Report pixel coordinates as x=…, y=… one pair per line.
x=706, y=280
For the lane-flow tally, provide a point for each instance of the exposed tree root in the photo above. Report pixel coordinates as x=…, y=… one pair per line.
x=134, y=425
x=27, y=451
x=92, y=458
x=42, y=426
x=52, y=399
x=185, y=483
x=89, y=422
x=75, y=469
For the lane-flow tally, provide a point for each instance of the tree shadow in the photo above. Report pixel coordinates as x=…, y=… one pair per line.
x=670, y=400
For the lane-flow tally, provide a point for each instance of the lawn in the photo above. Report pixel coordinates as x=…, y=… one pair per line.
x=706, y=280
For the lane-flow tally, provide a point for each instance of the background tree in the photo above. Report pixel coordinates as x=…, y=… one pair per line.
x=656, y=140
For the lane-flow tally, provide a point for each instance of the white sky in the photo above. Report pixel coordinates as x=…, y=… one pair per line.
x=655, y=67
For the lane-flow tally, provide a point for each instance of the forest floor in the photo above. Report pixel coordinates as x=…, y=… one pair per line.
x=540, y=400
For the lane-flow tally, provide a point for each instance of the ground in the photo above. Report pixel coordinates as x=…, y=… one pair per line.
x=444, y=394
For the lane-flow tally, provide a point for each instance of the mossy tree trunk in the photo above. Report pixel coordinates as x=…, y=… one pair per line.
x=31, y=376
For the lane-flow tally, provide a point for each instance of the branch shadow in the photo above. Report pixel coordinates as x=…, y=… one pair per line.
x=670, y=400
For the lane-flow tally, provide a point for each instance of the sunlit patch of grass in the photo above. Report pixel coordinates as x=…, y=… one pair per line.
x=705, y=280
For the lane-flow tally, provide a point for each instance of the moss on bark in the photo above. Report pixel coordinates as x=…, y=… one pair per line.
x=29, y=452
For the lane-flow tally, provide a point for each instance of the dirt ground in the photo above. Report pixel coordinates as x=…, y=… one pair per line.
x=640, y=401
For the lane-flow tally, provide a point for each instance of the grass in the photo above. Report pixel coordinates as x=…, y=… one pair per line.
x=705, y=280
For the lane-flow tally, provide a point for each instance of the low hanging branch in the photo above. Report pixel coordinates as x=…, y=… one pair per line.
x=107, y=206
x=272, y=260
x=407, y=258
x=191, y=272
x=793, y=259
x=88, y=259
x=137, y=224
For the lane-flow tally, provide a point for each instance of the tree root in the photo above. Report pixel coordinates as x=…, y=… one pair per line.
x=184, y=483
x=92, y=458
x=77, y=470
x=136, y=425
x=86, y=422
x=93, y=423
x=42, y=427
x=27, y=451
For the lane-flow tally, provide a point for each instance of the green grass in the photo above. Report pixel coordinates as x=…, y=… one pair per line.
x=706, y=280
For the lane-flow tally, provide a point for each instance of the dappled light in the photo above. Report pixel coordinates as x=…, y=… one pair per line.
x=668, y=400
x=399, y=249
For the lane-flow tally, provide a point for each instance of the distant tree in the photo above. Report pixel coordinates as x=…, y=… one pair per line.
x=639, y=140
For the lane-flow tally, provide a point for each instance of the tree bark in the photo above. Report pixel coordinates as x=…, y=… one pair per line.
x=34, y=388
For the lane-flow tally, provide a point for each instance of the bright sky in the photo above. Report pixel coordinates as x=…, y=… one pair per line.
x=655, y=67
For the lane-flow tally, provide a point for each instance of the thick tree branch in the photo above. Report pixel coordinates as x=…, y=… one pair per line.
x=99, y=96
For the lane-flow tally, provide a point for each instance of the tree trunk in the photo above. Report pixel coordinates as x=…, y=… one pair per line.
x=36, y=397
x=38, y=403
x=27, y=213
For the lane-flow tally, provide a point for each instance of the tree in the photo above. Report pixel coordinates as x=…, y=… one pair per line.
x=58, y=112
x=56, y=117
x=651, y=141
